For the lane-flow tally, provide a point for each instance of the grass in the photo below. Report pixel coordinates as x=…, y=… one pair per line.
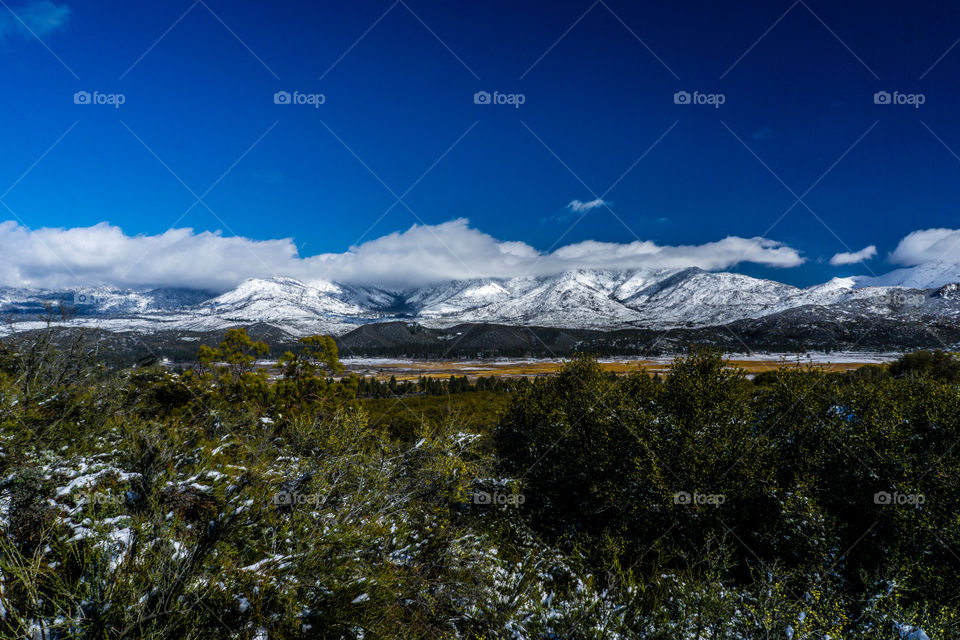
x=474, y=411
x=412, y=370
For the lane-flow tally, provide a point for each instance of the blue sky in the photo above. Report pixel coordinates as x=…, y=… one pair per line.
x=599, y=120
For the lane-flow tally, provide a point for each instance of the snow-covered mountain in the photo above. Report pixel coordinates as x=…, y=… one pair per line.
x=925, y=276
x=588, y=299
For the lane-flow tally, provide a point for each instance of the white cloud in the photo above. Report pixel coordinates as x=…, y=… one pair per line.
x=578, y=206
x=853, y=257
x=104, y=254
x=39, y=18
x=928, y=245
x=721, y=254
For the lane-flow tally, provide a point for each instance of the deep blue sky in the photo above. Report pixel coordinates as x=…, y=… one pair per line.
x=399, y=99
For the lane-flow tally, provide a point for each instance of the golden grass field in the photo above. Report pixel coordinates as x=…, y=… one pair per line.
x=413, y=369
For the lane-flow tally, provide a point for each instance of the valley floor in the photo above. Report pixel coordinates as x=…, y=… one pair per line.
x=407, y=369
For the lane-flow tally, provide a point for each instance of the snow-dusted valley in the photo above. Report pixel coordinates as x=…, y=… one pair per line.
x=580, y=299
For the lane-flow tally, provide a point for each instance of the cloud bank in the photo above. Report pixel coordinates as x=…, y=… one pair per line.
x=104, y=255
x=38, y=18
x=853, y=257
x=928, y=245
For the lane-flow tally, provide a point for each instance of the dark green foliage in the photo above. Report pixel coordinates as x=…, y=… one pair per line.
x=473, y=412
x=868, y=373
x=797, y=459
x=939, y=365
x=431, y=386
x=231, y=499
x=160, y=507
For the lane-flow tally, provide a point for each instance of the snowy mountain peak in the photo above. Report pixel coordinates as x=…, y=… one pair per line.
x=929, y=275
x=273, y=299
x=656, y=298
x=277, y=285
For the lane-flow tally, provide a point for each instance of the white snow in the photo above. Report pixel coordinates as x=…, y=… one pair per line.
x=582, y=298
x=908, y=632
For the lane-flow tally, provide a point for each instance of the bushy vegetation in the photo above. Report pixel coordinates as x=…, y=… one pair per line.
x=821, y=503
x=231, y=500
x=430, y=386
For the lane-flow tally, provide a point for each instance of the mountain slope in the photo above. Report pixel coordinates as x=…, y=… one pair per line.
x=930, y=275
x=655, y=299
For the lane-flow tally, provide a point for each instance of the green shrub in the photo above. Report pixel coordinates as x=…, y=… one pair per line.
x=230, y=501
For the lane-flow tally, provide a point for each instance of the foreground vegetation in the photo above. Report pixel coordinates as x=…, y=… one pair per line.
x=218, y=502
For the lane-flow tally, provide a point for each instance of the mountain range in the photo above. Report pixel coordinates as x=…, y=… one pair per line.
x=656, y=299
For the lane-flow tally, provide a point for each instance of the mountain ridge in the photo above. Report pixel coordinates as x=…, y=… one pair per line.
x=601, y=299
